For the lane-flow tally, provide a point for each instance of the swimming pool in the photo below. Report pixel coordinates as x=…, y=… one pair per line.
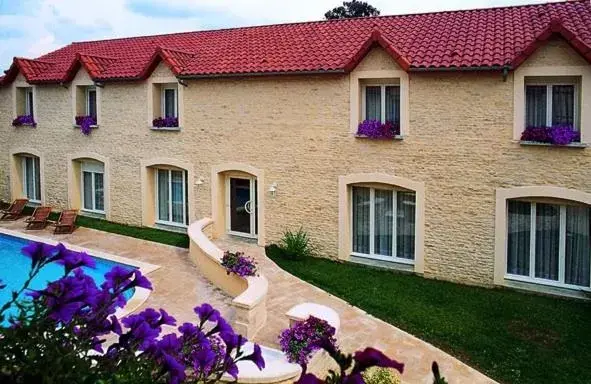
x=15, y=267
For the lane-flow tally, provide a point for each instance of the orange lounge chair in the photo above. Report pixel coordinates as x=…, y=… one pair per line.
x=15, y=211
x=39, y=218
x=66, y=222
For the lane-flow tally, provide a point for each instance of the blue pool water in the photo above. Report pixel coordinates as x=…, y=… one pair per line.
x=15, y=267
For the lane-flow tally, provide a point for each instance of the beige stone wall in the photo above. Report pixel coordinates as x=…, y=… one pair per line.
x=297, y=130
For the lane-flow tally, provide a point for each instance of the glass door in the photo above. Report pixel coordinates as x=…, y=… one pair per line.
x=242, y=206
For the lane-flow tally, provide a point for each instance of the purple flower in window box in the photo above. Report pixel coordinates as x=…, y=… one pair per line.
x=556, y=135
x=239, y=264
x=168, y=122
x=375, y=129
x=85, y=123
x=24, y=120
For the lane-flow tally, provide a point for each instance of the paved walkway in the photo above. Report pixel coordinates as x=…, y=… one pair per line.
x=178, y=287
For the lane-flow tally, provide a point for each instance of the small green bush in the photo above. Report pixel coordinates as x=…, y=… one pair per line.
x=379, y=375
x=296, y=245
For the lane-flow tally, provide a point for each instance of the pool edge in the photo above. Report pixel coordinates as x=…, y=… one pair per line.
x=140, y=295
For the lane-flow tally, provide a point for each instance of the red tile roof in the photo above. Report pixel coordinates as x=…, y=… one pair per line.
x=484, y=38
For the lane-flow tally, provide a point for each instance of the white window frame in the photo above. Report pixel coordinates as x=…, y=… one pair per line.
x=549, y=85
x=93, y=187
x=163, y=100
x=372, y=254
x=157, y=198
x=531, y=278
x=382, y=99
x=87, y=96
x=29, y=94
x=24, y=173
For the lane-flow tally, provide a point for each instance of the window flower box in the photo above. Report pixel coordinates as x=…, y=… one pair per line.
x=375, y=129
x=557, y=135
x=165, y=122
x=86, y=123
x=24, y=121
x=239, y=264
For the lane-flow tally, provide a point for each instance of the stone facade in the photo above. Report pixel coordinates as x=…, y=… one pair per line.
x=296, y=129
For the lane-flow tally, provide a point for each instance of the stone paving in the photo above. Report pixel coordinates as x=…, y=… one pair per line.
x=178, y=287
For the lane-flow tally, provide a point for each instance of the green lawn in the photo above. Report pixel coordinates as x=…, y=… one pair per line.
x=510, y=336
x=144, y=233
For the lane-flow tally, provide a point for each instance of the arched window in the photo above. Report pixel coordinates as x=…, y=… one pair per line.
x=543, y=237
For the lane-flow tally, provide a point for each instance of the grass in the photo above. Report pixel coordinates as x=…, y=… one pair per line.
x=510, y=336
x=151, y=234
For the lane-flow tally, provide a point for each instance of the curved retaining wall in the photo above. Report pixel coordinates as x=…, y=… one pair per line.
x=250, y=294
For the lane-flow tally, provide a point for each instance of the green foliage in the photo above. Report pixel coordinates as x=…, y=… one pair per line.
x=296, y=245
x=379, y=375
x=508, y=335
x=351, y=9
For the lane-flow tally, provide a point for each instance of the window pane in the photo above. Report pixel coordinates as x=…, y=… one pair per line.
x=360, y=197
x=547, y=244
x=393, y=104
x=577, y=260
x=178, y=203
x=405, y=225
x=563, y=105
x=383, y=222
x=87, y=181
x=518, y=237
x=169, y=103
x=29, y=178
x=163, y=198
x=99, y=193
x=91, y=103
x=373, y=103
x=29, y=100
x=535, y=106
x=36, y=162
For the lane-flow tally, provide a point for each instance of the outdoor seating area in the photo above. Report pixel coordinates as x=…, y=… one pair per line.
x=41, y=217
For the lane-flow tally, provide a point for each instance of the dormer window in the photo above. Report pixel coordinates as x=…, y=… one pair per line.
x=29, y=102
x=86, y=114
x=25, y=107
x=381, y=103
x=165, y=109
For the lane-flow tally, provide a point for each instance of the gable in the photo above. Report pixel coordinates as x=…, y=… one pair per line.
x=162, y=70
x=377, y=59
x=555, y=52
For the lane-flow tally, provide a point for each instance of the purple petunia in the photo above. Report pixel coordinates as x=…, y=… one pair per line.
x=72, y=260
x=239, y=264
x=41, y=253
x=557, y=134
x=175, y=369
x=371, y=357
x=256, y=357
x=207, y=313
x=304, y=338
x=168, y=122
x=375, y=129
x=85, y=123
x=23, y=120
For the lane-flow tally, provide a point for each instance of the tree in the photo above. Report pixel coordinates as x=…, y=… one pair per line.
x=351, y=9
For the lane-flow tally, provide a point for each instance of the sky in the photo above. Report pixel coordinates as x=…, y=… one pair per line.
x=30, y=28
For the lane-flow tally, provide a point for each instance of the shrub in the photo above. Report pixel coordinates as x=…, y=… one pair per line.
x=379, y=375
x=296, y=245
x=52, y=338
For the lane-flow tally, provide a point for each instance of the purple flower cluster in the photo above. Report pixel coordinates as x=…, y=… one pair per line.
x=375, y=129
x=200, y=353
x=85, y=123
x=557, y=134
x=304, y=338
x=161, y=122
x=79, y=314
x=239, y=264
x=24, y=120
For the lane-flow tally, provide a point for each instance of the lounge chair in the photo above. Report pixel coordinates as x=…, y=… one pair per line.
x=39, y=218
x=15, y=210
x=66, y=222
